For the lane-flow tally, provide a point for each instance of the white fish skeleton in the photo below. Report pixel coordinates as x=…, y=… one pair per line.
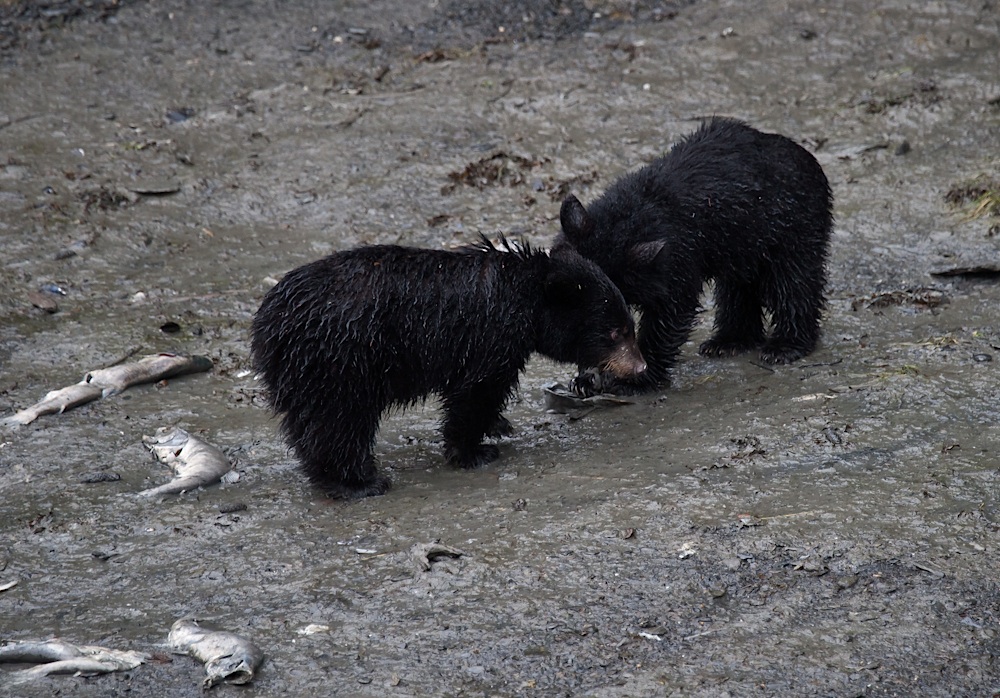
x=195, y=461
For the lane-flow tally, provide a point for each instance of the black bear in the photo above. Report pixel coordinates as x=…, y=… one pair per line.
x=751, y=211
x=340, y=340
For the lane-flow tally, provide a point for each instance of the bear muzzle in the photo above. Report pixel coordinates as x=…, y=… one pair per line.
x=625, y=360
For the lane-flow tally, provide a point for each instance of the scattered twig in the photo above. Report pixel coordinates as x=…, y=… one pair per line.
x=786, y=516
x=822, y=363
x=701, y=634
x=18, y=120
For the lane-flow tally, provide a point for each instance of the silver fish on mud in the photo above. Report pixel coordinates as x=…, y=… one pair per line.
x=563, y=400
x=227, y=656
x=58, y=657
x=195, y=461
x=148, y=369
x=56, y=402
x=110, y=381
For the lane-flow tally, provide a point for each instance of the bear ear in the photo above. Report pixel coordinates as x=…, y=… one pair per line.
x=644, y=253
x=576, y=222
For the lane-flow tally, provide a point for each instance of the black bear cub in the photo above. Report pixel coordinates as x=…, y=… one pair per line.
x=751, y=211
x=341, y=340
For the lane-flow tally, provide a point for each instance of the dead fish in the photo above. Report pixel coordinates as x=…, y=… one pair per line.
x=424, y=554
x=195, y=461
x=58, y=657
x=560, y=399
x=148, y=369
x=110, y=381
x=227, y=656
x=56, y=402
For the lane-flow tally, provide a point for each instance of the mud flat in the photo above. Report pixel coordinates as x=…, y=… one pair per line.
x=826, y=528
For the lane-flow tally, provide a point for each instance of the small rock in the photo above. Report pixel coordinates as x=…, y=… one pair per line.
x=847, y=581
x=92, y=478
x=175, y=116
x=43, y=301
x=155, y=188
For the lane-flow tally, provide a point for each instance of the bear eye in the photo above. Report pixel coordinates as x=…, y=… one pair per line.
x=615, y=335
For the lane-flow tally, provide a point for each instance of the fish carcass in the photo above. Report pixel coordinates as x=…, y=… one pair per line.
x=195, y=461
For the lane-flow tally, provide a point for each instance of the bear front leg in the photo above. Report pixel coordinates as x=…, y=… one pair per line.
x=334, y=446
x=739, y=323
x=662, y=332
x=663, y=329
x=469, y=416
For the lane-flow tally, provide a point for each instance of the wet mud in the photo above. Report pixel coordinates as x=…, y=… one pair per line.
x=827, y=528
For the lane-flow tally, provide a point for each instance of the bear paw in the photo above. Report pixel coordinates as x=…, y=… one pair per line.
x=472, y=458
x=591, y=382
x=775, y=353
x=378, y=486
x=721, y=348
x=588, y=383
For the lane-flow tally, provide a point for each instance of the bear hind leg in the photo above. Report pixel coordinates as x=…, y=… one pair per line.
x=334, y=448
x=662, y=332
x=796, y=306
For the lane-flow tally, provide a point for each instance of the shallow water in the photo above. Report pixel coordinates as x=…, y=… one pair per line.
x=826, y=528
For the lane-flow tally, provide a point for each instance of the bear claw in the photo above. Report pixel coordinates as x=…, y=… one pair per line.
x=588, y=383
x=722, y=348
x=781, y=353
x=378, y=486
x=475, y=457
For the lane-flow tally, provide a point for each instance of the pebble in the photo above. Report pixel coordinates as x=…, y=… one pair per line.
x=43, y=301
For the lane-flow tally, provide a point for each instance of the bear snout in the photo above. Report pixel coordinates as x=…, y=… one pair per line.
x=625, y=360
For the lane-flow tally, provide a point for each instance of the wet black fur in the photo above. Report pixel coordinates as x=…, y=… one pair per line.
x=342, y=339
x=750, y=210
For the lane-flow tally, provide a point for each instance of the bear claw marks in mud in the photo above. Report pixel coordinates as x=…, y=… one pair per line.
x=750, y=210
x=342, y=339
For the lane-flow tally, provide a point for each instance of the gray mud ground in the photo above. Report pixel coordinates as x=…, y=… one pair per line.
x=828, y=528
